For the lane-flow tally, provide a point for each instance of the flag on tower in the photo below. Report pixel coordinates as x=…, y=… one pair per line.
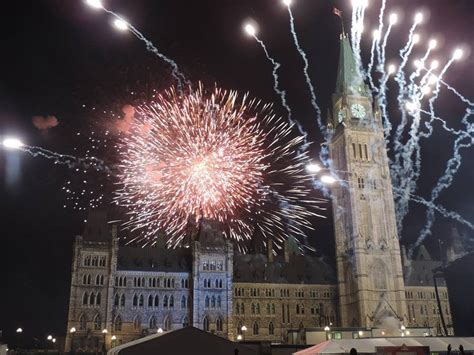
x=337, y=12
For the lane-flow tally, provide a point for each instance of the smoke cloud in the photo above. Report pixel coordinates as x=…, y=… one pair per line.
x=44, y=122
x=125, y=123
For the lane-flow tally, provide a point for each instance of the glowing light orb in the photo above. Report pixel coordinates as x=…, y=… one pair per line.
x=95, y=3
x=287, y=2
x=313, y=168
x=376, y=34
x=212, y=156
x=457, y=54
x=418, y=17
x=250, y=29
x=432, y=79
x=393, y=18
x=412, y=106
x=391, y=69
x=434, y=64
x=12, y=143
x=416, y=38
x=432, y=43
x=121, y=25
x=418, y=63
x=425, y=90
x=328, y=179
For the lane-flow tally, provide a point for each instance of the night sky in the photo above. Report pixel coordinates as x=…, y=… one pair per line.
x=62, y=58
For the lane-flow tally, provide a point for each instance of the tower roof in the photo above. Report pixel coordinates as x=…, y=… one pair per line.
x=349, y=78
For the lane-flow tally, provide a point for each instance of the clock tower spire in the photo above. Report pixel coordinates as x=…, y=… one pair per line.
x=369, y=267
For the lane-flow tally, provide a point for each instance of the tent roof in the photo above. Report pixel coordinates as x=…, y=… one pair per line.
x=183, y=341
x=436, y=344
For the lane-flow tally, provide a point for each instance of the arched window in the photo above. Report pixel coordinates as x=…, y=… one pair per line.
x=268, y=308
x=118, y=324
x=185, y=322
x=237, y=308
x=213, y=302
x=157, y=301
x=253, y=308
x=141, y=301
x=97, y=322
x=217, y=283
x=165, y=301
x=122, y=301
x=183, y=302
x=150, y=301
x=271, y=329
x=167, y=323
x=92, y=299
x=84, y=279
x=171, y=301
x=205, y=324
x=220, y=283
x=255, y=328
x=219, y=324
x=82, y=322
x=98, y=299
x=188, y=302
x=209, y=283
x=242, y=308
x=89, y=279
x=172, y=283
x=182, y=283
x=206, y=302
x=258, y=308
x=273, y=308
x=152, y=323
x=297, y=309
x=354, y=150
x=219, y=302
x=143, y=282
x=97, y=280
x=116, y=300
x=135, y=301
x=85, y=299
x=137, y=322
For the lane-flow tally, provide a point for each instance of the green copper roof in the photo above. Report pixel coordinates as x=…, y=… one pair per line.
x=349, y=78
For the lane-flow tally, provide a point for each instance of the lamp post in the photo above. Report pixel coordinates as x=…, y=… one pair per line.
x=72, y=331
x=243, y=329
x=19, y=331
x=104, y=347
x=327, y=329
x=113, y=338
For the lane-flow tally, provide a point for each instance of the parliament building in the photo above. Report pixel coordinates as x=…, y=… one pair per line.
x=120, y=293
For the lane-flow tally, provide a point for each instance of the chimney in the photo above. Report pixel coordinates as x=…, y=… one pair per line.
x=270, y=251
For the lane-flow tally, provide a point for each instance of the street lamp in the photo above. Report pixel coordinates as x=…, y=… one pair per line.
x=104, y=332
x=327, y=329
x=160, y=330
x=50, y=337
x=19, y=330
x=243, y=329
x=113, y=338
x=72, y=331
x=239, y=337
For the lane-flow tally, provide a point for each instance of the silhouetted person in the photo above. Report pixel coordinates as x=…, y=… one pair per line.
x=449, y=349
x=353, y=351
x=461, y=349
x=236, y=352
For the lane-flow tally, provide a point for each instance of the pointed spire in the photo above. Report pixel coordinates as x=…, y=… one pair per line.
x=349, y=78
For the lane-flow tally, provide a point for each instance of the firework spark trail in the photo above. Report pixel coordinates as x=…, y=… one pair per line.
x=175, y=72
x=358, y=14
x=305, y=71
x=433, y=98
x=457, y=93
x=380, y=30
x=400, y=78
x=65, y=159
x=213, y=156
x=375, y=39
x=282, y=94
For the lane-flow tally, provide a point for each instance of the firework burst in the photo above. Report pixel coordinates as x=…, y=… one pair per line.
x=213, y=156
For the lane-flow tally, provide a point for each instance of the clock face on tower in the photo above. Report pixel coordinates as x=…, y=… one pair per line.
x=358, y=111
